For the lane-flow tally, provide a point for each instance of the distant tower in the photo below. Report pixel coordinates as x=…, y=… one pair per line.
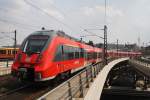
x=139, y=41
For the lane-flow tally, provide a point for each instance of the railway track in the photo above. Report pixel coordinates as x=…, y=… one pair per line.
x=26, y=92
x=14, y=90
x=30, y=91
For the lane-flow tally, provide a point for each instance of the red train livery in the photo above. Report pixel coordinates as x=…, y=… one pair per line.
x=45, y=54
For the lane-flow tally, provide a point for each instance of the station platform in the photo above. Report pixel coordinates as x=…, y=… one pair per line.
x=5, y=67
x=4, y=71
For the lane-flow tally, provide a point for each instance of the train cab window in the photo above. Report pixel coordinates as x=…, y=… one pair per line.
x=59, y=54
x=35, y=43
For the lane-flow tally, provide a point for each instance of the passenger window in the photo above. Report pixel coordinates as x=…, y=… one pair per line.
x=70, y=53
x=81, y=53
x=59, y=53
x=66, y=51
x=9, y=52
x=2, y=51
x=76, y=53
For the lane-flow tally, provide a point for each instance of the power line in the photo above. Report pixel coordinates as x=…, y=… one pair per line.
x=44, y=12
x=66, y=15
x=57, y=8
x=20, y=17
x=92, y=34
x=41, y=10
x=22, y=25
x=4, y=20
x=6, y=36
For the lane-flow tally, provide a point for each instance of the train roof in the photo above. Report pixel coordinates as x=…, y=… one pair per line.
x=58, y=33
x=54, y=33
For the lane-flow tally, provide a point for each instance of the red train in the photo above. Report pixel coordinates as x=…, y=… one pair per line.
x=45, y=54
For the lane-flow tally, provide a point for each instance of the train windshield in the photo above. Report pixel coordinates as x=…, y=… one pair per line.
x=35, y=43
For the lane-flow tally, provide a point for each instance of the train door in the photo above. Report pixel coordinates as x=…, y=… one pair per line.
x=59, y=58
x=85, y=57
x=61, y=67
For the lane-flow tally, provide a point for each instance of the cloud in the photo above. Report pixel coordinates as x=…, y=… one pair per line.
x=125, y=19
x=88, y=11
x=111, y=11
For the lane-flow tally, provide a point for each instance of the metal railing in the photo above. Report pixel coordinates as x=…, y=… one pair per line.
x=77, y=86
x=141, y=63
x=142, y=59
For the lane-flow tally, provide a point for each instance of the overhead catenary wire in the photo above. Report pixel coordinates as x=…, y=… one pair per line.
x=66, y=15
x=63, y=13
x=20, y=17
x=105, y=19
x=46, y=13
x=5, y=35
x=22, y=25
x=14, y=22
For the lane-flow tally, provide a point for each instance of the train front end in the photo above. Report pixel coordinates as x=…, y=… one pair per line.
x=30, y=59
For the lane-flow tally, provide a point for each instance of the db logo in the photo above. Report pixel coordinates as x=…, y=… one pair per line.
x=28, y=59
x=76, y=62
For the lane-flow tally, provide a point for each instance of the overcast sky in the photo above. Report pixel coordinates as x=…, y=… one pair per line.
x=126, y=19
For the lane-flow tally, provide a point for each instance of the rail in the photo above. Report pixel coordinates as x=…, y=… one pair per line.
x=77, y=86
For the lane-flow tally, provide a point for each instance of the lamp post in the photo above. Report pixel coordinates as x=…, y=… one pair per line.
x=117, y=47
x=15, y=43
